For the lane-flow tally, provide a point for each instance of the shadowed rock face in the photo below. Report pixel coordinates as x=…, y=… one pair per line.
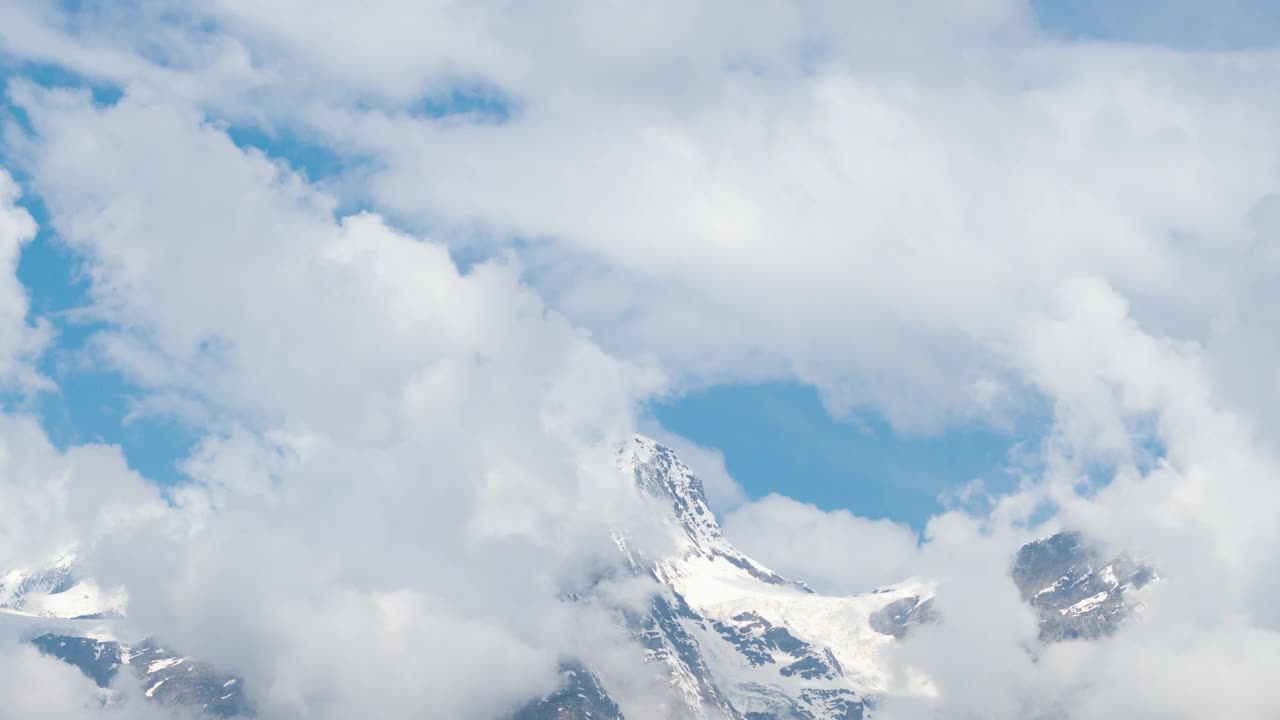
x=166, y=677
x=760, y=642
x=1078, y=593
x=899, y=616
x=580, y=697
x=99, y=660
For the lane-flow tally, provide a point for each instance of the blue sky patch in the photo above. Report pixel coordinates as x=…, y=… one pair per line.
x=779, y=438
x=1180, y=24
x=472, y=102
x=92, y=404
x=314, y=160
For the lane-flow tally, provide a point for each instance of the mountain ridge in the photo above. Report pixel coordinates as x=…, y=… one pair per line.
x=734, y=639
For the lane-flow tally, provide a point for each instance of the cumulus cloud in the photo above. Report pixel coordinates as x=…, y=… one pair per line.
x=43, y=688
x=51, y=501
x=771, y=180
x=20, y=341
x=836, y=552
x=415, y=456
x=939, y=214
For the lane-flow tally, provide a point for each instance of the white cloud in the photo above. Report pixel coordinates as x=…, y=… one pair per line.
x=837, y=230
x=933, y=213
x=43, y=688
x=52, y=501
x=836, y=552
x=20, y=342
x=390, y=441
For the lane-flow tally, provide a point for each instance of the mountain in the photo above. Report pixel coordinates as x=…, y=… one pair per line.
x=581, y=697
x=71, y=618
x=1079, y=594
x=735, y=640
x=739, y=640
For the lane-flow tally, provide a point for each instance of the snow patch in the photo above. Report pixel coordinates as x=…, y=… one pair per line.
x=159, y=665
x=1086, y=604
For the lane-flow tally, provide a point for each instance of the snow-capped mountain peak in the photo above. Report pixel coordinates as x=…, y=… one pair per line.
x=658, y=472
x=742, y=639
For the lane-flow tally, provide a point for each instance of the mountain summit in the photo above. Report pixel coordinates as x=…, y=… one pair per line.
x=741, y=641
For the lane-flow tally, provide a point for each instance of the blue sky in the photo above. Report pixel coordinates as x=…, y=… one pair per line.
x=1183, y=24
x=779, y=438
x=775, y=437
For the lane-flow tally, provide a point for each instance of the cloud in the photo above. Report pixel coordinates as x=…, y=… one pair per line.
x=53, y=501
x=793, y=180
x=835, y=552
x=940, y=215
x=43, y=688
x=414, y=455
x=20, y=341
x=836, y=232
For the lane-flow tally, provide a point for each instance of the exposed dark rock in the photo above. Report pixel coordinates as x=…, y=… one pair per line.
x=581, y=697
x=899, y=616
x=1078, y=593
x=165, y=677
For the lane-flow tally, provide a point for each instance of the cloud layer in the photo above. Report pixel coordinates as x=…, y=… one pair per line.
x=406, y=374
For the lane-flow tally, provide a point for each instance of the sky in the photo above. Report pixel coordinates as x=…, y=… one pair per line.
x=357, y=329
x=777, y=436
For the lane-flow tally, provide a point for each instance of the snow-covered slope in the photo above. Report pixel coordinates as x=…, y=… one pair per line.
x=740, y=640
x=16, y=584
x=56, y=591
